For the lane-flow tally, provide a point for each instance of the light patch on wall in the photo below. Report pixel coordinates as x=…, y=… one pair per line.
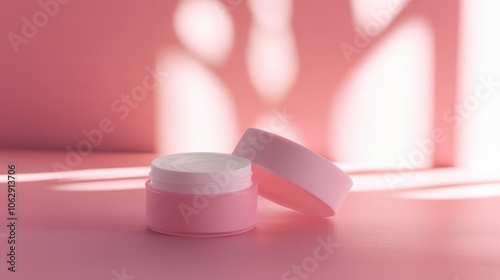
x=194, y=111
x=272, y=15
x=272, y=60
x=479, y=128
x=379, y=115
x=376, y=12
x=273, y=121
x=201, y=29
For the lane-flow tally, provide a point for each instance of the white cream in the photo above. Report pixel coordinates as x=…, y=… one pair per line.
x=204, y=173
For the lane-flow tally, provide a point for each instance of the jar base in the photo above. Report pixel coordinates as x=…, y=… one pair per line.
x=201, y=234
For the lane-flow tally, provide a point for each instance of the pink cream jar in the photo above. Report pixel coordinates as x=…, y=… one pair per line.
x=214, y=194
x=201, y=194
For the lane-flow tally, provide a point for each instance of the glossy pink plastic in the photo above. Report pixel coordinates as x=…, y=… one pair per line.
x=201, y=215
x=292, y=175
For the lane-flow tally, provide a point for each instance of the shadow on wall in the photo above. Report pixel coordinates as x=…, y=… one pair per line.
x=189, y=75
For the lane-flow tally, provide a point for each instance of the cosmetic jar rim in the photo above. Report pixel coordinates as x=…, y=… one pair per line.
x=190, y=172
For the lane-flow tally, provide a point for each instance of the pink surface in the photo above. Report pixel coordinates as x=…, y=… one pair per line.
x=438, y=224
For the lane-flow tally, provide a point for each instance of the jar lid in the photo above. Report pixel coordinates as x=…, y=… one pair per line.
x=292, y=175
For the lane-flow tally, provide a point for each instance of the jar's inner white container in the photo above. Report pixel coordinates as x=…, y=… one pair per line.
x=201, y=173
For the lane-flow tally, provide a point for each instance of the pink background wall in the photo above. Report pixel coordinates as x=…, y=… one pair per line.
x=234, y=64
